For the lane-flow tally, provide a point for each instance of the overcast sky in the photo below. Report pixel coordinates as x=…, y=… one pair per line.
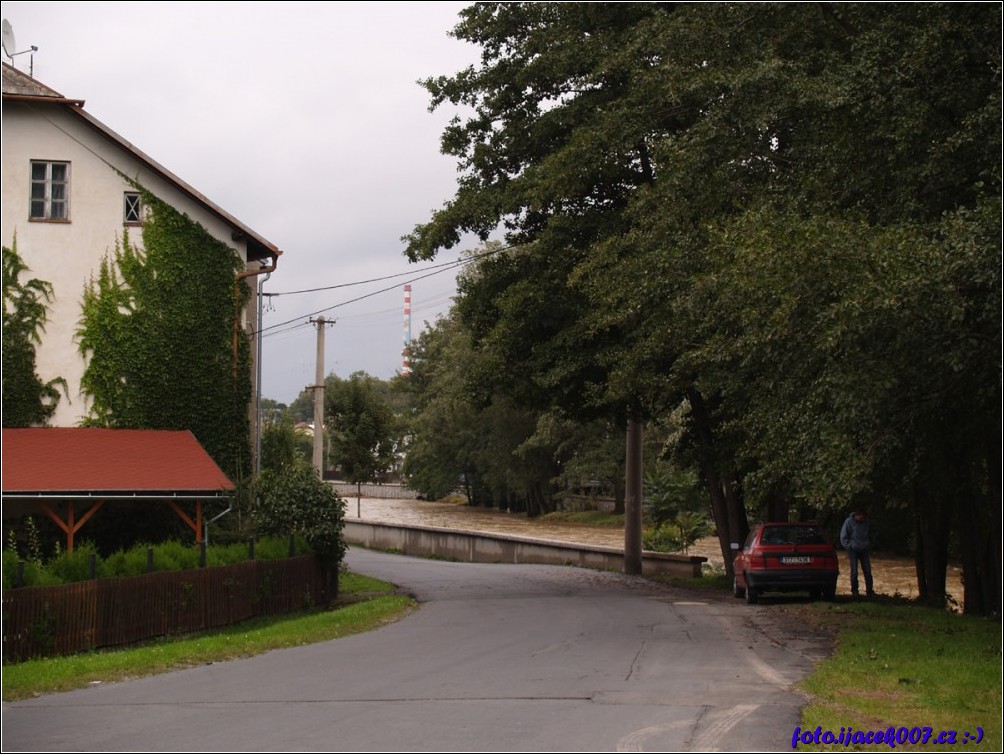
x=301, y=119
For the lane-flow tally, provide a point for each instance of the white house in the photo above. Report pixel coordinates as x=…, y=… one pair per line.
x=65, y=198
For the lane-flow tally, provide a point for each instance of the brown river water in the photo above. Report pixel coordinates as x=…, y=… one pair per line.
x=893, y=574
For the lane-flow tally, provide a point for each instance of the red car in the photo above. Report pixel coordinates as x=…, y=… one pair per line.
x=783, y=557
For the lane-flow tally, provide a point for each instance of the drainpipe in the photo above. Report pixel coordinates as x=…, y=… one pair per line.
x=257, y=407
x=267, y=271
x=241, y=276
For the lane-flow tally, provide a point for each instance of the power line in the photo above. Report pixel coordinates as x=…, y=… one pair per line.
x=437, y=269
x=454, y=263
x=346, y=303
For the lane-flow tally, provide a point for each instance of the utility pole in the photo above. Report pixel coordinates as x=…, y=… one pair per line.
x=318, y=387
x=633, y=499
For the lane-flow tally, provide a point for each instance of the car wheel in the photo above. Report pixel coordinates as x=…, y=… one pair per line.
x=737, y=591
x=830, y=593
x=752, y=595
x=815, y=594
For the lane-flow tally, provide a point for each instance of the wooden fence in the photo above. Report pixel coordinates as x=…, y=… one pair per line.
x=58, y=620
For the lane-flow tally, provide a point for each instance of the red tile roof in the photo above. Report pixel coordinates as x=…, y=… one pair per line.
x=84, y=459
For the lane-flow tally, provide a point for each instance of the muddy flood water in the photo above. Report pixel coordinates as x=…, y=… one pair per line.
x=893, y=574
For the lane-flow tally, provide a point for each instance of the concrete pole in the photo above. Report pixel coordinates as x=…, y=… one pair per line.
x=633, y=499
x=319, y=401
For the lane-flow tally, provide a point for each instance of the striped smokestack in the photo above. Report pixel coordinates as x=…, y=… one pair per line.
x=406, y=353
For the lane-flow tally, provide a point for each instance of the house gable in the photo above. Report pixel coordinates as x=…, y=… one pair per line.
x=54, y=148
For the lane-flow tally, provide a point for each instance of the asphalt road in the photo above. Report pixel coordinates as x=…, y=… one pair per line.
x=498, y=658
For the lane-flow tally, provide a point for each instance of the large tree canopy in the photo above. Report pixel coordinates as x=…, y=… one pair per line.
x=785, y=218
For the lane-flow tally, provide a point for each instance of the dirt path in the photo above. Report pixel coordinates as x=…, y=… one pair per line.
x=893, y=574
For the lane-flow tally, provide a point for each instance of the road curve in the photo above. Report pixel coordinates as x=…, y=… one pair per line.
x=498, y=658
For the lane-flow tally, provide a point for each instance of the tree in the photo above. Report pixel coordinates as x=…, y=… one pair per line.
x=274, y=411
x=362, y=427
x=561, y=139
x=808, y=255
x=583, y=452
x=738, y=209
x=27, y=400
x=444, y=431
x=280, y=445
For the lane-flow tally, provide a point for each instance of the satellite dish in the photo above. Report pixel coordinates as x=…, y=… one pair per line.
x=9, y=45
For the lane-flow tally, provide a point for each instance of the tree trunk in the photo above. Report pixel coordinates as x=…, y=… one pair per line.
x=934, y=519
x=994, y=555
x=980, y=527
x=975, y=541
x=739, y=526
x=777, y=508
x=619, y=496
x=719, y=511
x=727, y=506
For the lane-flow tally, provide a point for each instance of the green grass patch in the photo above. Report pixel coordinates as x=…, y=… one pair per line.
x=897, y=665
x=49, y=675
x=590, y=518
x=356, y=583
x=906, y=666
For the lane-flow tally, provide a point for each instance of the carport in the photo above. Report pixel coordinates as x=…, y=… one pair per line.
x=69, y=473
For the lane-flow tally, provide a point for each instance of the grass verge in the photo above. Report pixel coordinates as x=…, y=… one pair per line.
x=366, y=603
x=906, y=666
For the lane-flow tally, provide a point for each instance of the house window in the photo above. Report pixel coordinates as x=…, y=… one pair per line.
x=132, y=208
x=50, y=190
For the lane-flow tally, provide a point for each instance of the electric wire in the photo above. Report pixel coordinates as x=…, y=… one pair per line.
x=436, y=270
x=454, y=263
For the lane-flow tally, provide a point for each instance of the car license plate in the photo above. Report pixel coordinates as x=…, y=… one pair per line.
x=795, y=559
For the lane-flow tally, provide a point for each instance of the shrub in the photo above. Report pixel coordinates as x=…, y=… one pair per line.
x=668, y=493
x=274, y=548
x=168, y=556
x=677, y=534
x=294, y=501
x=76, y=565
x=131, y=562
x=174, y=556
x=33, y=572
x=663, y=538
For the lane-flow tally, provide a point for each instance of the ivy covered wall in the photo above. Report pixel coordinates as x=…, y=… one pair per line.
x=159, y=327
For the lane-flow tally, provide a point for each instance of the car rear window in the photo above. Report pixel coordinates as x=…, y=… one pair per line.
x=792, y=535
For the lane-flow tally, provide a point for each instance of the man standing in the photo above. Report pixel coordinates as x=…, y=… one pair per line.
x=854, y=538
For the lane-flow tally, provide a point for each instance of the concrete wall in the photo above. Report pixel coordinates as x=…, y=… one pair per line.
x=347, y=490
x=475, y=547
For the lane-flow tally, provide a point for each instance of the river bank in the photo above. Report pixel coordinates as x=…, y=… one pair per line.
x=894, y=575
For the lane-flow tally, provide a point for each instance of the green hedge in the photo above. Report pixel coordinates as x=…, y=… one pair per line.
x=167, y=556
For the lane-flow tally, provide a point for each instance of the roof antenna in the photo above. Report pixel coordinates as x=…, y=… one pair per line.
x=10, y=48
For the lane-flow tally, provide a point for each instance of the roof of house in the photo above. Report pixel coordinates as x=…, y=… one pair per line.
x=19, y=87
x=86, y=460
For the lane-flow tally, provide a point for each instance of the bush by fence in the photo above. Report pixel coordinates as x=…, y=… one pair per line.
x=85, y=562
x=55, y=620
